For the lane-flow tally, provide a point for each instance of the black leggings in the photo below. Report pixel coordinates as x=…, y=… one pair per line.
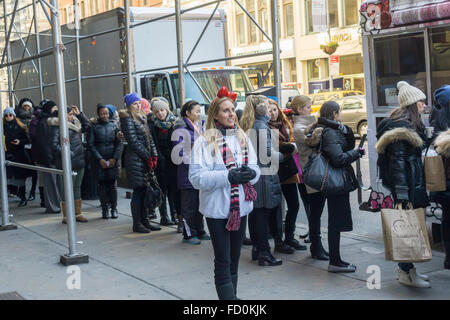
x=316, y=202
x=258, y=225
x=291, y=196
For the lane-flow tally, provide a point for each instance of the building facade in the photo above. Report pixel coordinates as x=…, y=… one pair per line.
x=303, y=63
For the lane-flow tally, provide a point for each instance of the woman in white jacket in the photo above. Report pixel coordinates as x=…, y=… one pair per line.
x=224, y=168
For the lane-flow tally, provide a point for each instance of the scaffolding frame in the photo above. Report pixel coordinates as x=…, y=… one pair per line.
x=57, y=50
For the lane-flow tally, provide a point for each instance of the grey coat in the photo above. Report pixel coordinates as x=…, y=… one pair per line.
x=268, y=186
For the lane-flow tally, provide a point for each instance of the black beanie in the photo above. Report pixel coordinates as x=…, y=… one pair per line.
x=101, y=106
x=48, y=106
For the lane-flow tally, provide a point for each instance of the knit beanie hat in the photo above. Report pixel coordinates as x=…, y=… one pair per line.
x=9, y=110
x=299, y=102
x=158, y=104
x=442, y=96
x=408, y=94
x=112, y=109
x=131, y=98
x=48, y=106
x=27, y=103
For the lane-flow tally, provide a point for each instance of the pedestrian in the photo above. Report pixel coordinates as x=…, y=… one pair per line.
x=268, y=188
x=24, y=111
x=223, y=168
x=15, y=140
x=401, y=139
x=106, y=148
x=187, y=129
x=141, y=159
x=77, y=123
x=43, y=156
x=283, y=129
x=162, y=125
x=440, y=113
x=307, y=138
x=338, y=144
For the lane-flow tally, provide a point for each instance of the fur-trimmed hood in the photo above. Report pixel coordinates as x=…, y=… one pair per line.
x=442, y=143
x=398, y=134
x=313, y=135
x=124, y=113
x=75, y=125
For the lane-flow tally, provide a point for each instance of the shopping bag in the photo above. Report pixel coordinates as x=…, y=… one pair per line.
x=434, y=172
x=405, y=235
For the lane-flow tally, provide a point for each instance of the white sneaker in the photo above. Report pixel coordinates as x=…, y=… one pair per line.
x=420, y=275
x=412, y=279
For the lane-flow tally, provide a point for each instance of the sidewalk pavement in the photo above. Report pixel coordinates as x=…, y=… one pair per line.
x=127, y=265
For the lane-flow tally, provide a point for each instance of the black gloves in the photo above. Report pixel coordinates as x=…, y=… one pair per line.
x=241, y=175
x=287, y=148
x=362, y=152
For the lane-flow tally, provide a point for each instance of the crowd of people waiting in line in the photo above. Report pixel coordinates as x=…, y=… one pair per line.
x=224, y=178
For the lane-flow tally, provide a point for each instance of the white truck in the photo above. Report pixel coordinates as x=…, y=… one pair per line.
x=153, y=60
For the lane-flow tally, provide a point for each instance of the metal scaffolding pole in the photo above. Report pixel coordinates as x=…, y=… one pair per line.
x=77, y=48
x=181, y=91
x=7, y=58
x=38, y=49
x=73, y=257
x=130, y=78
x=276, y=50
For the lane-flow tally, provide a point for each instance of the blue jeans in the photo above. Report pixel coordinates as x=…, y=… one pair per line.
x=405, y=266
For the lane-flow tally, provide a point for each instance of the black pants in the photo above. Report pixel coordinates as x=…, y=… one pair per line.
x=193, y=224
x=107, y=193
x=259, y=221
x=305, y=198
x=339, y=219
x=138, y=211
x=291, y=195
x=316, y=204
x=170, y=192
x=227, y=249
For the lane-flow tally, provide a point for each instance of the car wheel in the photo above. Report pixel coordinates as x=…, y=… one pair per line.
x=362, y=128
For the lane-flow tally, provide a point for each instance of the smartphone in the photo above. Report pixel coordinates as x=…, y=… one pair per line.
x=363, y=140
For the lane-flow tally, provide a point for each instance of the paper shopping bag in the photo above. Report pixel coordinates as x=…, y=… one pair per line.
x=405, y=235
x=434, y=173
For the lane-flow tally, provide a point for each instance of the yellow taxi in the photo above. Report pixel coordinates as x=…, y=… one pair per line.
x=319, y=98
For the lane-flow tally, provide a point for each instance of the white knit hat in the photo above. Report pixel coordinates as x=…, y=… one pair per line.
x=408, y=94
x=158, y=104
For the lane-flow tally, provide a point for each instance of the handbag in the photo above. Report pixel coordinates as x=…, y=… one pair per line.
x=153, y=194
x=405, y=235
x=319, y=174
x=434, y=172
x=287, y=168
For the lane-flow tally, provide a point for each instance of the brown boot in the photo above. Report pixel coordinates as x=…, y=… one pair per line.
x=64, y=212
x=78, y=214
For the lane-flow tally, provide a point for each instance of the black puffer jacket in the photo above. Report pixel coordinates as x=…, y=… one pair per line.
x=338, y=143
x=139, y=149
x=41, y=147
x=79, y=125
x=104, y=144
x=166, y=171
x=22, y=114
x=399, y=150
x=16, y=153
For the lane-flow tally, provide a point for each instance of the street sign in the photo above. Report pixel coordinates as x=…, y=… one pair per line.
x=334, y=65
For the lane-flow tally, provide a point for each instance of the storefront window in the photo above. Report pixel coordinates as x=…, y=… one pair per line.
x=315, y=66
x=333, y=14
x=351, y=15
x=288, y=11
x=440, y=57
x=351, y=64
x=398, y=58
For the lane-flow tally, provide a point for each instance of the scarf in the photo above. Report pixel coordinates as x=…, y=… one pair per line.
x=282, y=130
x=234, y=218
x=165, y=124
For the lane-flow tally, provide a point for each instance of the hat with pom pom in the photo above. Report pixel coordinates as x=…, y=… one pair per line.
x=408, y=94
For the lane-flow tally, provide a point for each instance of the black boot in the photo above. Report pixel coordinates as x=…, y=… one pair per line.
x=146, y=221
x=234, y=280
x=34, y=179
x=254, y=253
x=447, y=254
x=291, y=242
x=103, y=197
x=180, y=224
x=41, y=195
x=113, y=201
x=317, y=250
x=136, y=214
x=165, y=220
x=12, y=189
x=32, y=195
x=266, y=256
x=281, y=247
x=21, y=194
x=226, y=292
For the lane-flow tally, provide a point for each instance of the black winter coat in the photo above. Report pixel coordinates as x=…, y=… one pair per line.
x=104, y=144
x=140, y=147
x=79, y=125
x=41, y=148
x=22, y=114
x=399, y=150
x=16, y=153
x=166, y=171
x=338, y=148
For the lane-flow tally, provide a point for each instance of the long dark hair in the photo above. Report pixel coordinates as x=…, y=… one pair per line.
x=409, y=114
x=328, y=109
x=188, y=106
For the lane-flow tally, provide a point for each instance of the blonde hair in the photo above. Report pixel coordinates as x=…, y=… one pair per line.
x=299, y=102
x=248, y=116
x=212, y=133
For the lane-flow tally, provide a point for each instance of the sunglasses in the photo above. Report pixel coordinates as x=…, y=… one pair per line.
x=9, y=115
